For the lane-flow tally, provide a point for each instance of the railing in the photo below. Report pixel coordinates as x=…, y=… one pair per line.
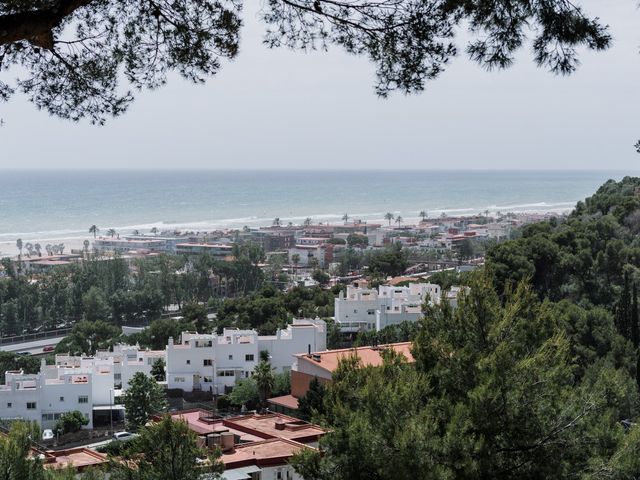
x=29, y=337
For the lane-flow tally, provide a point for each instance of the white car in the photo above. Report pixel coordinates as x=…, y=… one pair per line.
x=47, y=434
x=124, y=436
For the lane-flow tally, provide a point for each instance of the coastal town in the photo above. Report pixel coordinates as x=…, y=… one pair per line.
x=205, y=374
x=319, y=240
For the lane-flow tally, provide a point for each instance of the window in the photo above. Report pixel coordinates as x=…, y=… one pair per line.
x=371, y=312
x=83, y=399
x=62, y=399
x=226, y=373
x=31, y=405
x=188, y=362
x=117, y=376
x=178, y=379
x=355, y=311
x=208, y=379
x=207, y=362
x=47, y=417
x=9, y=405
x=248, y=357
x=230, y=357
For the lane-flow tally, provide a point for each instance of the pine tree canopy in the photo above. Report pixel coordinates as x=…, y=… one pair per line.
x=81, y=59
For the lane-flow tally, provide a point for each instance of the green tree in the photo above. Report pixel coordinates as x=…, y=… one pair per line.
x=312, y=404
x=357, y=240
x=16, y=461
x=197, y=314
x=281, y=384
x=423, y=215
x=492, y=394
x=263, y=376
x=321, y=277
x=144, y=398
x=245, y=393
x=78, y=74
x=158, y=370
x=87, y=337
x=391, y=260
x=94, y=230
x=168, y=450
x=389, y=216
x=95, y=305
x=70, y=422
x=345, y=218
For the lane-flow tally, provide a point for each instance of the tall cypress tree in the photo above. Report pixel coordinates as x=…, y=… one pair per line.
x=634, y=316
x=623, y=317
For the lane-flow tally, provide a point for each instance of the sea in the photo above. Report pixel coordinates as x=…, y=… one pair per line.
x=60, y=206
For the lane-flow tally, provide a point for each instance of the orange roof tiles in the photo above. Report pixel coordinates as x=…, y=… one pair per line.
x=369, y=356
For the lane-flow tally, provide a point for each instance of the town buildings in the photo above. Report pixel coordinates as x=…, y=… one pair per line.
x=321, y=365
x=211, y=362
x=254, y=446
x=364, y=309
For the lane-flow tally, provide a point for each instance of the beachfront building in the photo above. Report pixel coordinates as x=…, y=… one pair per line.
x=124, y=245
x=364, y=309
x=211, y=362
x=222, y=251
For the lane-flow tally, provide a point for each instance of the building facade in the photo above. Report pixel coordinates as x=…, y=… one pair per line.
x=211, y=362
x=365, y=309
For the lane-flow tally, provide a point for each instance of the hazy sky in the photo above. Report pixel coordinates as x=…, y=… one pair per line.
x=283, y=109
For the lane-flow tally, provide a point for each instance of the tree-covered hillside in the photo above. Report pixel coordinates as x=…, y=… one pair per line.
x=533, y=376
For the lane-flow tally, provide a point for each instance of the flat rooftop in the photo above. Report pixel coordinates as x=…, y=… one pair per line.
x=369, y=356
x=277, y=425
x=275, y=451
x=78, y=458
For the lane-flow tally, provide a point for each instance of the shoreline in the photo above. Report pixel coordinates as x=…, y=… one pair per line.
x=75, y=242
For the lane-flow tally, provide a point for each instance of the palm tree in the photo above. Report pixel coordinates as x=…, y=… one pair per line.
x=276, y=222
x=423, y=215
x=93, y=229
x=295, y=259
x=86, y=245
x=38, y=249
x=398, y=220
x=263, y=376
x=135, y=232
x=29, y=248
x=111, y=232
x=49, y=249
x=61, y=247
x=19, y=245
x=307, y=221
x=389, y=216
x=154, y=231
x=345, y=217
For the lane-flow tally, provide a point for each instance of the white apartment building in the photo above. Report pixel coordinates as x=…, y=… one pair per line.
x=364, y=309
x=87, y=384
x=43, y=397
x=212, y=362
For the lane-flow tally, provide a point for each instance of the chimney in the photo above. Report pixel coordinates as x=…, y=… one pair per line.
x=171, y=341
x=309, y=349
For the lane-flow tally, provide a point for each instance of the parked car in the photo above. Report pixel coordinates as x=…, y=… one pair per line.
x=124, y=436
x=47, y=435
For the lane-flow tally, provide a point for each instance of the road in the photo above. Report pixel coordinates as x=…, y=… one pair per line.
x=34, y=347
